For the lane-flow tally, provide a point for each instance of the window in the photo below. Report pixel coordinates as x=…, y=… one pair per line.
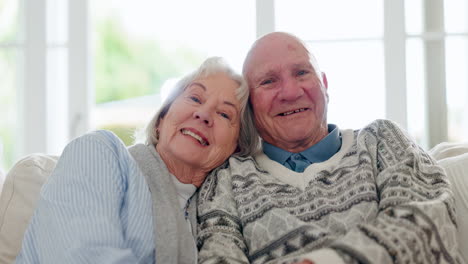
x=10, y=54
x=56, y=75
x=70, y=66
x=457, y=83
x=34, y=60
x=349, y=50
x=456, y=47
x=137, y=53
x=437, y=57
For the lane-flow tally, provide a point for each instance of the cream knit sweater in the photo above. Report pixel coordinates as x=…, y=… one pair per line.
x=380, y=199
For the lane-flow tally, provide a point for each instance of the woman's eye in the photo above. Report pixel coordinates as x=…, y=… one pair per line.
x=195, y=99
x=225, y=115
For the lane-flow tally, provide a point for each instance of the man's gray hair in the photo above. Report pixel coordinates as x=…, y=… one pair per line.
x=248, y=141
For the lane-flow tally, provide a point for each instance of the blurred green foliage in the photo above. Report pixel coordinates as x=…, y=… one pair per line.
x=124, y=67
x=8, y=107
x=125, y=133
x=127, y=67
x=7, y=137
x=9, y=28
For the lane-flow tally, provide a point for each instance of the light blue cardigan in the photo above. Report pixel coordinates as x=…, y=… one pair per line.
x=102, y=206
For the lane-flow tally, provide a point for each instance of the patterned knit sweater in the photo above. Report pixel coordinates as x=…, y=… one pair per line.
x=380, y=199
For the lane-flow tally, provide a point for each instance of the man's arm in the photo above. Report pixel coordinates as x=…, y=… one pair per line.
x=219, y=236
x=416, y=218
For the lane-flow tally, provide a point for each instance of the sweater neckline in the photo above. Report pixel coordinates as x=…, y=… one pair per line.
x=300, y=180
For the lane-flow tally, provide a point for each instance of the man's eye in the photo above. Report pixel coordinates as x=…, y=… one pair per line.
x=195, y=99
x=302, y=72
x=265, y=82
x=224, y=115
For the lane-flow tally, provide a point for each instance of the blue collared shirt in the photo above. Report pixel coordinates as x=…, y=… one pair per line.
x=322, y=151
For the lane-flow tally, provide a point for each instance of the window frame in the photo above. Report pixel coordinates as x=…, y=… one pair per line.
x=33, y=106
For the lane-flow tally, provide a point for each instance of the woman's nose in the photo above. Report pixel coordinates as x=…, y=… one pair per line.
x=204, y=117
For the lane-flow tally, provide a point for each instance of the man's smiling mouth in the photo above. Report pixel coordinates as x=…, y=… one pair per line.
x=293, y=112
x=202, y=141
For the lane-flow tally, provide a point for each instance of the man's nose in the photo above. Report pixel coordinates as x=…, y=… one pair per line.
x=203, y=116
x=291, y=90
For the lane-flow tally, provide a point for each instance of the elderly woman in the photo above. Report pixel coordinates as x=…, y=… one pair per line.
x=107, y=204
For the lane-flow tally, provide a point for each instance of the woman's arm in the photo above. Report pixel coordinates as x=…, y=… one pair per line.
x=78, y=217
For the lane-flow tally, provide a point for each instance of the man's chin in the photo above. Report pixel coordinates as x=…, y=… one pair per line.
x=293, y=141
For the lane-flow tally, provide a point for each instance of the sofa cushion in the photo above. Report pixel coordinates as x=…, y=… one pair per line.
x=448, y=149
x=18, y=200
x=456, y=168
x=454, y=158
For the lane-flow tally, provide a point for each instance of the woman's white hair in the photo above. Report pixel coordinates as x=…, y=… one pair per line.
x=248, y=141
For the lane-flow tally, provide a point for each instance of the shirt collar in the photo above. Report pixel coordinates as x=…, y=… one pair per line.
x=322, y=151
x=273, y=152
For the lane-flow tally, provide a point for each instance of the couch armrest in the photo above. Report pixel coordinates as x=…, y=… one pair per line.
x=18, y=200
x=456, y=168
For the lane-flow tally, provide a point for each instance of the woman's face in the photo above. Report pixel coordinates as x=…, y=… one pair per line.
x=201, y=128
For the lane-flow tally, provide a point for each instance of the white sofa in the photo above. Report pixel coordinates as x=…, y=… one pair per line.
x=23, y=182
x=18, y=199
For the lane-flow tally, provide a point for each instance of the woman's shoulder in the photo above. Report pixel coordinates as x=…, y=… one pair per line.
x=244, y=165
x=99, y=137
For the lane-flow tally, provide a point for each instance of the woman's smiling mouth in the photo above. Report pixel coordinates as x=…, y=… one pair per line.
x=199, y=138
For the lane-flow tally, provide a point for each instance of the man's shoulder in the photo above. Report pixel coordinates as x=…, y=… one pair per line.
x=384, y=130
x=378, y=123
x=237, y=168
x=249, y=163
x=380, y=126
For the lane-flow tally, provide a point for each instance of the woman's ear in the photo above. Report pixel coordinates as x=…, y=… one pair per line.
x=158, y=131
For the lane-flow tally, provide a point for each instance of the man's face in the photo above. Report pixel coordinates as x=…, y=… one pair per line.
x=288, y=98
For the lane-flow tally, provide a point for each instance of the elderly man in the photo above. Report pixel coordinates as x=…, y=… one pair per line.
x=317, y=193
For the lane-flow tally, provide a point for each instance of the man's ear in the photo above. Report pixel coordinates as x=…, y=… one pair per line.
x=325, y=84
x=324, y=80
